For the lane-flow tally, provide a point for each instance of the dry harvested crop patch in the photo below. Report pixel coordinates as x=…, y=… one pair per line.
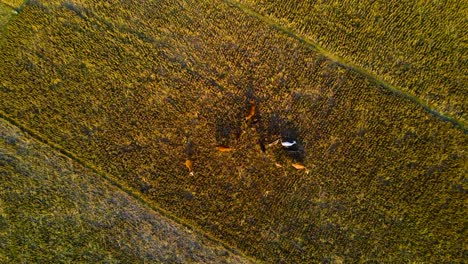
x=137, y=89
x=54, y=210
x=13, y=3
x=418, y=46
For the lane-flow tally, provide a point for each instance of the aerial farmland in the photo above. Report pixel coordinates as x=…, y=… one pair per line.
x=234, y=131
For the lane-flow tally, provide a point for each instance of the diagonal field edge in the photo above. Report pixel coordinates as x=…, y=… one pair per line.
x=112, y=180
x=122, y=186
x=290, y=33
x=348, y=64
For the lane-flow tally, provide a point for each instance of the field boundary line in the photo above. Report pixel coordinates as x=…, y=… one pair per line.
x=348, y=64
x=153, y=206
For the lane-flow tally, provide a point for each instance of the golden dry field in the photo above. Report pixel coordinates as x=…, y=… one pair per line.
x=68, y=213
x=420, y=47
x=183, y=104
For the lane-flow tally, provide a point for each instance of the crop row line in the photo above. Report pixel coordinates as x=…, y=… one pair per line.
x=348, y=64
x=120, y=185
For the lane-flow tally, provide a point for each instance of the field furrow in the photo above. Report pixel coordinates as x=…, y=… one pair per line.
x=138, y=89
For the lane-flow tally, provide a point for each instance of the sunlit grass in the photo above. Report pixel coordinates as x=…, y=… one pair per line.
x=137, y=89
x=415, y=45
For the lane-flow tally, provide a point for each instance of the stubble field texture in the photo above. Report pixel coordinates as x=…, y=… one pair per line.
x=374, y=96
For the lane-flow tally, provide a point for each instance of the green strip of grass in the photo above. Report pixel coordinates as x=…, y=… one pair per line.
x=137, y=89
x=430, y=106
x=52, y=209
x=417, y=47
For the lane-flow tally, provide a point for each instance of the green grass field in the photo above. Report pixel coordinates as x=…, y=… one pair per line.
x=133, y=90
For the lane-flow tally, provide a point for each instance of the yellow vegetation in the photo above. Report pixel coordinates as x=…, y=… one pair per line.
x=414, y=45
x=124, y=86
